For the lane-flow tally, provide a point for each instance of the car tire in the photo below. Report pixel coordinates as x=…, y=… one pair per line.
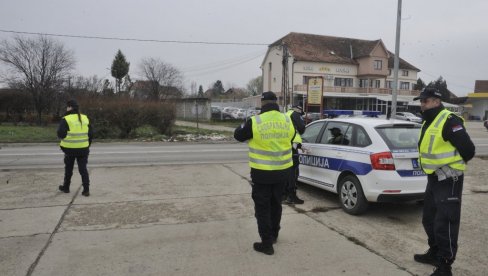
x=351, y=196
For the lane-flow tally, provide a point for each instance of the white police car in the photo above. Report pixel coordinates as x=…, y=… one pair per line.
x=363, y=160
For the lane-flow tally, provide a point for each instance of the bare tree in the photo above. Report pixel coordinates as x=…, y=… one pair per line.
x=193, y=88
x=38, y=65
x=165, y=80
x=90, y=85
x=255, y=86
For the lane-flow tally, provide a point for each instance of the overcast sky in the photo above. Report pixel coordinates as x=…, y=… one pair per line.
x=441, y=37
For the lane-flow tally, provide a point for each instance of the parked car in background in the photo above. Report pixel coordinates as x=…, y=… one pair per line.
x=230, y=111
x=240, y=113
x=219, y=114
x=310, y=117
x=407, y=116
x=252, y=112
x=363, y=160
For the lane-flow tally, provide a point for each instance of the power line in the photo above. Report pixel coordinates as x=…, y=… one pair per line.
x=217, y=69
x=136, y=39
x=231, y=62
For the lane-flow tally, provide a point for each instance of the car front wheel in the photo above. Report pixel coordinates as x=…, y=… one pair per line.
x=351, y=196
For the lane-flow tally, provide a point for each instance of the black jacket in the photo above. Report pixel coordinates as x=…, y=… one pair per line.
x=244, y=133
x=298, y=122
x=453, y=131
x=63, y=129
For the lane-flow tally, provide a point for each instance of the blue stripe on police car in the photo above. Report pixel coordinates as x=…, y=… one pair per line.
x=335, y=164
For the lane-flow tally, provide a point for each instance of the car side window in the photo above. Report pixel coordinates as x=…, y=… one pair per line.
x=336, y=134
x=361, y=138
x=312, y=132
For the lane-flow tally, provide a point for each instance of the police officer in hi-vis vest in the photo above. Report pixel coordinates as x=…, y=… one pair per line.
x=270, y=157
x=76, y=134
x=290, y=193
x=444, y=150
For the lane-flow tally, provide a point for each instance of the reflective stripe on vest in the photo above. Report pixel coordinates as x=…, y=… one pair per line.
x=297, y=139
x=270, y=146
x=434, y=151
x=77, y=136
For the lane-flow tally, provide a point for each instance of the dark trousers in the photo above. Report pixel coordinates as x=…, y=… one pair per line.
x=442, y=215
x=291, y=184
x=69, y=162
x=267, y=209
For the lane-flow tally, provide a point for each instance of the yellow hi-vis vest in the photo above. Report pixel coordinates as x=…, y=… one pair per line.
x=297, y=139
x=77, y=136
x=434, y=151
x=270, y=145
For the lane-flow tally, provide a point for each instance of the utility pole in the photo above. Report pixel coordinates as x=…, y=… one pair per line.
x=396, y=62
x=284, y=84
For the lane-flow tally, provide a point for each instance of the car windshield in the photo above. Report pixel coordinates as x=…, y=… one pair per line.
x=408, y=114
x=403, y=136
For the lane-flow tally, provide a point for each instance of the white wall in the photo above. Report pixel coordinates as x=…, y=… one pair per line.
x=322, y=69
x=273, y=82
x=479, y=107
x=411, y=78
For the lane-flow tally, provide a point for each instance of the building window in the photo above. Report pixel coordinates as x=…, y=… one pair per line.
x=405, y=73
x=389, y=84
x=363, y=83
x=377, y=83
x=389, y=72
x=404, y=85
x=378, y=65
x=344, y=82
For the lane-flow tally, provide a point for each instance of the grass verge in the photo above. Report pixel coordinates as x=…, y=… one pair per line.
x=36, y=134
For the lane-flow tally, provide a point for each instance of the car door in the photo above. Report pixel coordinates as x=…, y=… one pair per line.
x=331, y=152
x=309, y=143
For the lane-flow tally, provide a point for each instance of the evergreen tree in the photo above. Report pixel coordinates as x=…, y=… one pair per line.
x=200, y=92
x=419, y=85
x=217, y=89
x=441, y=85
x=119, y=69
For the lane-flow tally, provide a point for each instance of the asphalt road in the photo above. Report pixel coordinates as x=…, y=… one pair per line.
x=141, y=154
x=125, y=154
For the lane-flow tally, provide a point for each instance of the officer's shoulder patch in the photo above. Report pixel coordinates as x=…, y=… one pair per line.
x=456, y=128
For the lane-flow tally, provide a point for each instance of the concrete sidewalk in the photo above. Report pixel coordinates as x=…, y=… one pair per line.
x=161, y=220
x=206, y=126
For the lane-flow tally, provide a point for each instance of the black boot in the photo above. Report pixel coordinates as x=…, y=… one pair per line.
x=63, y=188
x=86, y=190
x=293, y=199
x=428, y=257
x=443, y=269
x=264, y=248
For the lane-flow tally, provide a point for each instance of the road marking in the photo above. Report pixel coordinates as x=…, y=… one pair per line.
x=92, y=152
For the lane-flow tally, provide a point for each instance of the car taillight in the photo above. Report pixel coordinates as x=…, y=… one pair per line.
x=382, y=161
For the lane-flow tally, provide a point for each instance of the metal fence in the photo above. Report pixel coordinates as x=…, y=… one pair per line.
x=194, y=109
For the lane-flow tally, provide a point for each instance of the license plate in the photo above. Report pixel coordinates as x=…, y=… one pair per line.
x=415, y=163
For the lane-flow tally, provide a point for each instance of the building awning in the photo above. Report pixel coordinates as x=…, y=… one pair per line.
x=417, y=103
x=388, y=98
x=478, y=95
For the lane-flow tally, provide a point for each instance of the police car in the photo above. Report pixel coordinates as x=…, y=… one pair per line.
x=363, y=160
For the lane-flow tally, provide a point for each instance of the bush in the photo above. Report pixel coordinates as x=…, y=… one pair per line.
x=120, y=117
x=14, y=104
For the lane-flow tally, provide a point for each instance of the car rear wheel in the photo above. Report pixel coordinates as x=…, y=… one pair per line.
x=351, y=196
